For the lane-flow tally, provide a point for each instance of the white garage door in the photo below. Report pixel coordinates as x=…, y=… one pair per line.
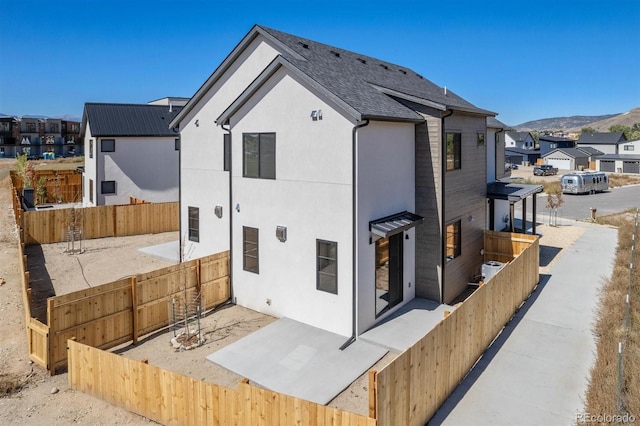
x=560, y=163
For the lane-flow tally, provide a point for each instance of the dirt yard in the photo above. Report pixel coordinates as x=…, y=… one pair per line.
x=29, y=396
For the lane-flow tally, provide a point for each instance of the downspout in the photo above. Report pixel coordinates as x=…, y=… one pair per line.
x=231, y=297
x=180, y=248
x=443, y=221
x=495, y=150
x=354, y=239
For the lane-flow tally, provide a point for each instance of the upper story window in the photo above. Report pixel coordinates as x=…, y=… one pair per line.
x=31, y=127
x=454, y=148
x=480, y=139
x=259, y=155
x=108, y=145
x=194, y=224
x=54, y=128
x=90, y=148
x=629, y=147
x=226, y=152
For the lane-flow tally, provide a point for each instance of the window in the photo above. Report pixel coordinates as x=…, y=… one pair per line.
x=453, y=248
x=176, y=144
x=480, y=139
x=454, y=142
x=31, y=127
x=226, y=154
x=90, y=148
x=250, y=252
x=108, y=145
x=259, y=155
x=194, y=224
x=327, y=266
x=108, y=186
x=91, y=190
x=628, y=147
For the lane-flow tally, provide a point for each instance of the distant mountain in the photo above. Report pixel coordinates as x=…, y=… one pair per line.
x=562, y=123
x=628, y=119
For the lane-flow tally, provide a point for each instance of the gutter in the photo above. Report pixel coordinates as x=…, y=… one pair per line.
x=443, y=220
x=231, y=297
x=354, y=240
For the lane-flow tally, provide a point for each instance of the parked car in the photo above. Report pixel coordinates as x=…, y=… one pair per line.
x=510, y=166
x=545, y=170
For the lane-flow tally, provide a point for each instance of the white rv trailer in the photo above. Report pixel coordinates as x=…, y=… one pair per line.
x=584, y=182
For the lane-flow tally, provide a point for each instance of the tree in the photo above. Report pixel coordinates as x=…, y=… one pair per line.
x=588, y=130
x=554, y=201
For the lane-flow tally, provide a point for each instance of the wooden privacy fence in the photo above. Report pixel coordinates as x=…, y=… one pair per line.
x=410, y=389
x=118, y=312
x=51, y=226
x=174, y=399
x=60, y=186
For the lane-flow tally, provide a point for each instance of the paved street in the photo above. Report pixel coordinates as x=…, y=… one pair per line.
x=536, y=371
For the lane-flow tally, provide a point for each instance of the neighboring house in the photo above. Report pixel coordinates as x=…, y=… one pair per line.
x=343, y=185
x=36, y=136
x=521, y=156
x=130, y=151
x=571, y=158
x=550, y=143
x=519, y=140
x=627, y=161
x=607, y=142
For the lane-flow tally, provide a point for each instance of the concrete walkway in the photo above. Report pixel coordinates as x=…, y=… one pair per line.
x=536, y=371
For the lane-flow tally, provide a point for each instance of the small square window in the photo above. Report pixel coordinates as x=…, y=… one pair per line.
x=108, y=145
x=480, y=139
x=108, y=186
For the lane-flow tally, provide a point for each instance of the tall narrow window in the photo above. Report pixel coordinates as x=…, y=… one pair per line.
x=91, y=190
x=327, y=266
x=454, y=142
x=194, y=224
x=176, y=144
x=480, y=139
x=259, y=155
x=226, y=152
x=90, y=148
x=453, y=248
x=108, y=145
x=250, y=250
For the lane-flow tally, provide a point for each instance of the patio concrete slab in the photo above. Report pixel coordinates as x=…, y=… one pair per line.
x=298, y=360
x=407, y=325
x=166, y=251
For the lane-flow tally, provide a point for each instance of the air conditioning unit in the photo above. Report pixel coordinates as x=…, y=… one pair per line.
x=490, y=268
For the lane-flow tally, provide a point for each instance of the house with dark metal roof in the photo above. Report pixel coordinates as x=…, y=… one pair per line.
x=607, y=142
x=341, y=183
x=130, y=151
x=550, y=143
x=626, y=161
x=521, y=156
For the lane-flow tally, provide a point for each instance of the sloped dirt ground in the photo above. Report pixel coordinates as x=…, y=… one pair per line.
x=29, y=396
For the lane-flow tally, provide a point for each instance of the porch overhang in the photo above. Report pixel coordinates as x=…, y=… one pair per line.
x=394, y=224
x=511, y=191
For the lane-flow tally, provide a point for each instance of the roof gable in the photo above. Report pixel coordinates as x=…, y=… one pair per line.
x=128, y=119
x=519, y=136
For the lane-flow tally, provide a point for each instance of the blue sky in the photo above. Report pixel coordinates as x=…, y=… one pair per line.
x=525, y=60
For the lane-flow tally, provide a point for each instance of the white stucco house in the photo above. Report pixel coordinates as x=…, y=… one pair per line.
x=130, y=151
x=520, y=140
x=343, y=186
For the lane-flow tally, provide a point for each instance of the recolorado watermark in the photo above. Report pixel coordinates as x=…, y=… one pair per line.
x=605, y=418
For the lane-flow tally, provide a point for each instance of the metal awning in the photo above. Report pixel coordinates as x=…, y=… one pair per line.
x=394, y=224
x=512, y=191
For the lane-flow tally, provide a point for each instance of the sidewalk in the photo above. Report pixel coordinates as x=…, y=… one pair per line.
x=536, y=371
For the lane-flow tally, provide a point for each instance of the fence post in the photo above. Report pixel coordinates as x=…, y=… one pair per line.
x=373, y=394
x=198, y=276
x=134, y=306
x=50, y=338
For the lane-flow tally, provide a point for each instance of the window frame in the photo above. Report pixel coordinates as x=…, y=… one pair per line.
x=248, y=259
x=456, y=235
x=454, y=150
x=90, y=148
x=480, y=138
x=628, y=147
x=176, y=144
x=263, y=166
x=193, y=223
x=321, y=269
x=108, y=182
x=104, y=147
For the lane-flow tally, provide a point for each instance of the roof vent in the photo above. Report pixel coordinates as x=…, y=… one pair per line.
x=334, y=53
x=419, y=76
x=362, y=60
x=384, y=66
x=403, y=72
x=305, y=45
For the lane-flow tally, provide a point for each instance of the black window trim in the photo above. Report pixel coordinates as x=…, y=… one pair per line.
x=457, y=150
x=245, y=251
x=193, y=223
x=457, y=246
x=108, y=182
x=319, y=273
x=260, y=174
x=107, y=148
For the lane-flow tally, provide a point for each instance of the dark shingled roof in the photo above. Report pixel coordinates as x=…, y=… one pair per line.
x=519, y=136
x=555, y=139
x=352, y=77
x=604, y=138
x=369, y=87
x=128, y=119
x=494, y=123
